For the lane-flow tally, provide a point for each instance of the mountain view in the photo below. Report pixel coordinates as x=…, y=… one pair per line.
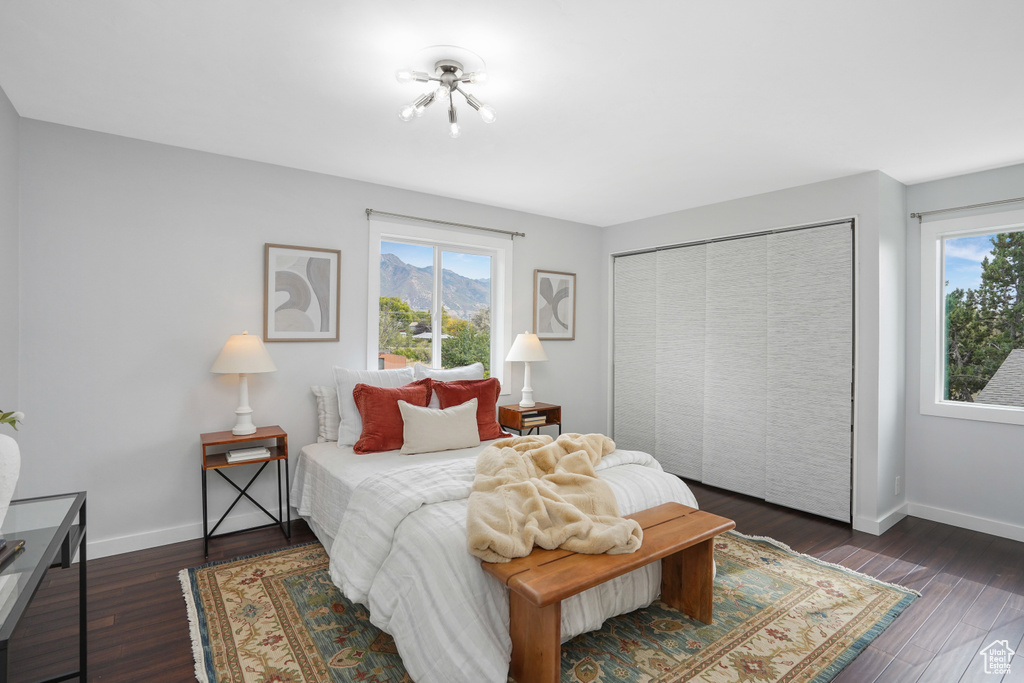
x=462, y=296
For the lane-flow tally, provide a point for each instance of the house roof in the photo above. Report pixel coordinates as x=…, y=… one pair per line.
x=1006, y=388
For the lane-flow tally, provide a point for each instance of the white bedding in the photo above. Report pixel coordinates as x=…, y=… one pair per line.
x=398, y=546
x=326, y=475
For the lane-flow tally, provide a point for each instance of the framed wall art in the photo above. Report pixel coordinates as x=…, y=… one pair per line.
x=554, y=305
x=301, y=293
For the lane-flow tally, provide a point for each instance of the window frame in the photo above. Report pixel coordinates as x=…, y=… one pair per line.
x=500, y=251
x=933, y=313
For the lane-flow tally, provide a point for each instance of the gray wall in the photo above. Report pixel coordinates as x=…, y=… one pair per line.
x=877, y=202
x=961, y=472
x=9, y=306
x=138, y=261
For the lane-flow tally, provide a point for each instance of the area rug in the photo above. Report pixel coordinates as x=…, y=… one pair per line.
x=778, y=616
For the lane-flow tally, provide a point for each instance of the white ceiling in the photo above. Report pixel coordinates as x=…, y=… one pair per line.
x=607, y=111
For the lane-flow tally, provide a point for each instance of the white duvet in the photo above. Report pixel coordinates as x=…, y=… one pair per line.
x=401, y=551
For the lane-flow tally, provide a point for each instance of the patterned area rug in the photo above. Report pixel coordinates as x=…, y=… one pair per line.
x=779, y=616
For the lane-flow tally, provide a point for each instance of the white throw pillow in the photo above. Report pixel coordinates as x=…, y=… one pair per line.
x=474, y=371
x=327, y=414
x=426, y=430
x=345, y=380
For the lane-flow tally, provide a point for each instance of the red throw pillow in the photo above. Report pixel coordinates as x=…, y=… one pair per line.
x=382, y=420
x=485, y=391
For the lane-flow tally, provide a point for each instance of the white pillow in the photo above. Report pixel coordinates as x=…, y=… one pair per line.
x=345, y=380
x=474, y=371
x=327, y=414
x=426, y=430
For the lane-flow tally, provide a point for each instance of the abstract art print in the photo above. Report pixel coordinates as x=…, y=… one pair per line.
x=554, y=305
x=301, y=293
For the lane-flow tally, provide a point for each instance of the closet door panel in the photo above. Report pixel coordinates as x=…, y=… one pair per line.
x=735, y=381
x=634, y=352
x=809, y=368
x=679, y=385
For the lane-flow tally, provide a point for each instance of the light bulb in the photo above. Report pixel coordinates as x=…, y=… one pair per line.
x=442, y=93
x=453, y=123
x=423, y=102
x=408, y=76
x=407, y=112
x=475, y=77
x=486, y=111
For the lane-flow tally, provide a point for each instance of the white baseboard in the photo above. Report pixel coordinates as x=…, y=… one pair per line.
x=105, y=547
x=880, y=526
x=963, y=520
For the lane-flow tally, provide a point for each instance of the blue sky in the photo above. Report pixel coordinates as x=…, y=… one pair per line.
x=963, y=261
x=468, y=265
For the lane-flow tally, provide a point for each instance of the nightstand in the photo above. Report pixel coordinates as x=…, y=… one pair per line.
x=517, y=418
x=215, y=457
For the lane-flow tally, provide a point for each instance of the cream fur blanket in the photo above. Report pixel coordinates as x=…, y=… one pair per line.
x=530, y=490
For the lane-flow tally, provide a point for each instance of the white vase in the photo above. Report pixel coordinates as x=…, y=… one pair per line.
x=10, y=467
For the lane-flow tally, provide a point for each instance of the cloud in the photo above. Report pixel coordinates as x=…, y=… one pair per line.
x=967, y=251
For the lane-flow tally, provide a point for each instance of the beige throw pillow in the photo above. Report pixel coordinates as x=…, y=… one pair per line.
x=426, y=430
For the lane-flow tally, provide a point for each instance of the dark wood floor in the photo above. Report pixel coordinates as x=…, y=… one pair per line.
x=972, y=589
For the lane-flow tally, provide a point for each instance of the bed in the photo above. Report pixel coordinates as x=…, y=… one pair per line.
x=395, y=529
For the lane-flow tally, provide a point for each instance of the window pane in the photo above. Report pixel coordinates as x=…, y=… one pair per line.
x=984, y=319
x=406, y=291
x=466, y=310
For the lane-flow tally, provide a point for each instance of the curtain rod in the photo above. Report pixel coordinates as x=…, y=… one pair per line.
x=510, y=233
x=920, y=214
x=729, y=238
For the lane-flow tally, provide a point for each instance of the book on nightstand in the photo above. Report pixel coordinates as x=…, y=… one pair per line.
x=244, y=454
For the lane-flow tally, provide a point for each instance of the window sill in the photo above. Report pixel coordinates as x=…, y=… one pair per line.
x=974, y=411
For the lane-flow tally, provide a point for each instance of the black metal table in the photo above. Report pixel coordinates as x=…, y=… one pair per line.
x=215, y=457
x=52, y=537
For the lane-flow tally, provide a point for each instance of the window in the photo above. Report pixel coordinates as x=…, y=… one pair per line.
x=440, y=298
x=972, y=318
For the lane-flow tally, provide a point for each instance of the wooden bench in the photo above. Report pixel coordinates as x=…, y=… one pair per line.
x=680, y=536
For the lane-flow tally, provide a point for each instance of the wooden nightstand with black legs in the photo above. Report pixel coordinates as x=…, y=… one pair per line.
x=520, y=419
x=216, y=446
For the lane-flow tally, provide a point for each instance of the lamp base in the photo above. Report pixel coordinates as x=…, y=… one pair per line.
x=526, y=401
x=243, y=422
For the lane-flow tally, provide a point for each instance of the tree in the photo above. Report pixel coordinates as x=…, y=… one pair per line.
x=465, y=345
x=395, y=318
x=984, y=325
x=482, y=320
x=967, y=347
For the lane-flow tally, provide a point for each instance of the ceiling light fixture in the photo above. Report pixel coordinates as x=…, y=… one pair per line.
x=452, y=66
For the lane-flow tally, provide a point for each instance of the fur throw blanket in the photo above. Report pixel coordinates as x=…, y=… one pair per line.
x=530, y=490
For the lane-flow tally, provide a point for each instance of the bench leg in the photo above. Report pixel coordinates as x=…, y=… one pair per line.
x=687, y=580
x=536, y=641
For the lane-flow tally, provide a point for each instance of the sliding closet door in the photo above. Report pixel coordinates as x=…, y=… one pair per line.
x=679, y=385
x=733, y=363
x=634, y=352
x=809, y=370
x=735, y=381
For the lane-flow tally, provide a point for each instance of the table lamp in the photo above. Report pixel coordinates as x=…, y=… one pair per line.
x=526, y=348
x=243, y=354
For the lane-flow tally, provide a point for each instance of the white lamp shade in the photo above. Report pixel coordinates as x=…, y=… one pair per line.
x=243, y=354
x=526, y=347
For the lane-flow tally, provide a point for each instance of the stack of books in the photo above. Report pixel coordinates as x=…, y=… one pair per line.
x=244, y=454
x=534, y=420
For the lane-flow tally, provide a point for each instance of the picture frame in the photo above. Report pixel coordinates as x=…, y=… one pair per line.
x=554, y=305
x=301, y=293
